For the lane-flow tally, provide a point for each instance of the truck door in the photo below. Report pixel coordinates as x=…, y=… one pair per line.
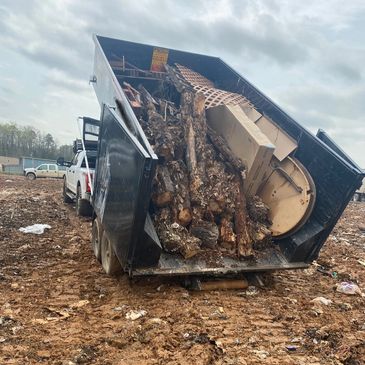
x=52, y=171
x=42, y=171
x=71, y=174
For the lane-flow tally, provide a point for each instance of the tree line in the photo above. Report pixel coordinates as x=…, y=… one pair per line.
x=17, y=141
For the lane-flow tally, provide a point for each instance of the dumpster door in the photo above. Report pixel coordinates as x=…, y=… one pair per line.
x=123, y=176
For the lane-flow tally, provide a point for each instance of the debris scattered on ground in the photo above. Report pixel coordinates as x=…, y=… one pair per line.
x=321, y=300
x=251, y=290
x=35, y=228
x=291, y=348
x=348, y=287
x=79, y=304
x=119, y=308
x=135, y=314
x=361, y=262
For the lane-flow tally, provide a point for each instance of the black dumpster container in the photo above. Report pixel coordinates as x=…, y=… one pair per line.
x=126, y=164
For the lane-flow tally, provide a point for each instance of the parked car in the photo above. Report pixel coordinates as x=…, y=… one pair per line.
x=45, y=170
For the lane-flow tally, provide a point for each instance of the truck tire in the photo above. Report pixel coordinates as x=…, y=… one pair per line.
x=31, y=176
x=83, y=207
x=66, y=198
x=109, y=260
x=96, y=236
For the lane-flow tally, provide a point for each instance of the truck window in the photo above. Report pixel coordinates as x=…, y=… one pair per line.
x=52, y=167
x=74, y=160
x=91, y=158
x=42, y=167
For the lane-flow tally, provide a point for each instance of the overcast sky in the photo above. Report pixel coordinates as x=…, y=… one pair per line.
x=308, y=56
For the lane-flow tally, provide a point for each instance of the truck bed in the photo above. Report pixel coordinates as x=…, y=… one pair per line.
x=122, y=141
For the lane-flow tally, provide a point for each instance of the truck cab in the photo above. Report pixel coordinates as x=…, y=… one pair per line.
x=78, y=179
x=45, y=170
x=77, y=185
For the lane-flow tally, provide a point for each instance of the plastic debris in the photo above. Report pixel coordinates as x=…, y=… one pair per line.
x=361, y=262
x=79, y=304
x=251, y=291
x=262, y=354
x=321, y=300
x=8, y=180
x=119, y=308
x=133, y=315
x=291, y=348
x=348, y=287
x=35, y=228
x=296, y=340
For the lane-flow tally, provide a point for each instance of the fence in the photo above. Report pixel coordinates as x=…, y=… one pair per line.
x=24, y=163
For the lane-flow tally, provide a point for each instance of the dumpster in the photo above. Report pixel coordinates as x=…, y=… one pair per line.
x=122, y=227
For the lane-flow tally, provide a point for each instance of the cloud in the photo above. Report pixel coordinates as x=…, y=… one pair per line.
x=310, y=58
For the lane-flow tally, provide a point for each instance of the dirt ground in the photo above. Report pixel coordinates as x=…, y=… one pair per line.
x=58, y=307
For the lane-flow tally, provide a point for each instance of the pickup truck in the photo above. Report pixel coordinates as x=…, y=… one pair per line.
x=76, y=184
x=45, y=170
x=359, y=195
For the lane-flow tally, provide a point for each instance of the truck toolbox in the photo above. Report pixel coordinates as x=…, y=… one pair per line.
x=126, y=165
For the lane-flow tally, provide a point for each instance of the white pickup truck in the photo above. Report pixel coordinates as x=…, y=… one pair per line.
x=45, y=170
x=76, y=184
x=359, y=195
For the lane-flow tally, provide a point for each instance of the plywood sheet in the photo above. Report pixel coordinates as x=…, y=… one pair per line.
x=245, y=140
x=251, y=112
x=284, y=144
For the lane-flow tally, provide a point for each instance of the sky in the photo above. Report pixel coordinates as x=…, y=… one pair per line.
x=307, y=56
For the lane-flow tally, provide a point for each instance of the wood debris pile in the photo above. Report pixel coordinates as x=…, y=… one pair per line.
x=198, y=200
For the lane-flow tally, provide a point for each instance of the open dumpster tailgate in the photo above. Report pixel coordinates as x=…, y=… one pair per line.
x=174, y=265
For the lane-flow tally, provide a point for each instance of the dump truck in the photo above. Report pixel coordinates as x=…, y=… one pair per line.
x=306, y=180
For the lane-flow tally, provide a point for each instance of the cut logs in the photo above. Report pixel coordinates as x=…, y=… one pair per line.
x=198, y=199
x=163, y=189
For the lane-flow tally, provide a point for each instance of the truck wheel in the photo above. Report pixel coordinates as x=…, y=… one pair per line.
x=66, y=198
x=31, y=176
x=109, y=260
x=83, y=207
x=97, y=232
